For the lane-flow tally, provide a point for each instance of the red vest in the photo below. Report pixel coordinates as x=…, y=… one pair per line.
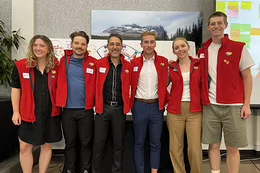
x=230, y=86
x=174, y=104
x=126, y=74
x=161, y=65
x=27, y=104
x=90, y=78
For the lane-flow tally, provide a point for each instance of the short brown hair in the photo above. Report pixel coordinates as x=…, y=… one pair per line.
x=218, y=14
x=79, y=33
x=115, y=35
x=148, y=33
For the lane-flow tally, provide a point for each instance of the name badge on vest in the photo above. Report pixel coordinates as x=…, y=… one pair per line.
x=26, y=76
x=90, y=71
x=135, y=68
x=102, y=70
x=202, y=55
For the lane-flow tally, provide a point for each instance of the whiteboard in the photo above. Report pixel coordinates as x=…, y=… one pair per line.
x=244, y=26
x=98, y=48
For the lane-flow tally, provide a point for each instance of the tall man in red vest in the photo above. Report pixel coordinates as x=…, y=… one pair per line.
x=226, y=92
x=149, y=97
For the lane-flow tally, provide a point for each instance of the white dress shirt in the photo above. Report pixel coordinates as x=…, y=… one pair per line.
x=147, y=87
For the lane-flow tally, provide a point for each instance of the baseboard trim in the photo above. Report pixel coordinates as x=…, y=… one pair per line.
x=244, y=154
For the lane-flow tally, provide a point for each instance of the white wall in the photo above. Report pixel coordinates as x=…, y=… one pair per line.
x=23, y=18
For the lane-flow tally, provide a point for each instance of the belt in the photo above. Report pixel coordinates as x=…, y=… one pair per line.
x=114, y=103
x=148, y=101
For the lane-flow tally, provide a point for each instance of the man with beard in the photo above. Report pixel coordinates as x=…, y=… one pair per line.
x=75, y=94
x=112, y=103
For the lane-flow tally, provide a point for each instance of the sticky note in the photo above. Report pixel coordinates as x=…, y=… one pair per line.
x=245, y=27
x=235, y=35
x=222, y=10
x=241, y=27
x=246, y=39
x=235, y=26
x=233, y=5
x=255, y=31
x=246, y=5
x=233, y=13
x=221, y=4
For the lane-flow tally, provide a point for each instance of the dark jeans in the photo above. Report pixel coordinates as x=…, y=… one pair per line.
x=78, y=124
x=112, y=119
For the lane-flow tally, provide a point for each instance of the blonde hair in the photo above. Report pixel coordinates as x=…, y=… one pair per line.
x=180, y=38
x=32, y=59
x=148, y=33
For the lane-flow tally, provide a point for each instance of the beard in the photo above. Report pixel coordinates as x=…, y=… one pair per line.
x=79, y=54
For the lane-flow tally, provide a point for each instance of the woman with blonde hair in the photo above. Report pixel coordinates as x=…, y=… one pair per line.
x=184, y=108
x=34, y=82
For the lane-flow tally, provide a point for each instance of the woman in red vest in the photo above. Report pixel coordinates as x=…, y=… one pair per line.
x=184, y=108
x=34, y=81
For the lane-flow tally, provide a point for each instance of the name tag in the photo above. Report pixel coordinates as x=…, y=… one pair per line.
x=135, y=68
x=102, y=70
x=202, y=55
x=26, y=76
x=90, y=71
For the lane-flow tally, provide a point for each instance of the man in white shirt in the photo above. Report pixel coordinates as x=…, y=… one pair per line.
x=149, y=97
x=226, y=93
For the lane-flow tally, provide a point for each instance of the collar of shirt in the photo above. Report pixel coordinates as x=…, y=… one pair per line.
x=153, y=58
x=109, y=59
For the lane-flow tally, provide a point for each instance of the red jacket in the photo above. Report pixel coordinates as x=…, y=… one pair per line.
x=161, y=65
x=230, y=86
x=27, y=104
x=90, y=79
x=174, y=104
x=126, y=74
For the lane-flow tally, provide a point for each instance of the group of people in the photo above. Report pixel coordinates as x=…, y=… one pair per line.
x=217, y=84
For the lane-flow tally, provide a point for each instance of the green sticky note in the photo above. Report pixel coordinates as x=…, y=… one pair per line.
x=245, y=27
x=246, y=39
x=241, y=27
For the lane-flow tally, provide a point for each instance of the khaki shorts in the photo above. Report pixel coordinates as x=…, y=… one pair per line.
x=228, y=118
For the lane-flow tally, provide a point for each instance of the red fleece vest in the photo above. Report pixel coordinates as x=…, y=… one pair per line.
x=230, y=86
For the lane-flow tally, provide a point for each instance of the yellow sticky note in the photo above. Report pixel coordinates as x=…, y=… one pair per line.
x=255, y=31
x=233, y=5
x=221, y=10
x=220, y=5
x=235, y=35
x=246, y=5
